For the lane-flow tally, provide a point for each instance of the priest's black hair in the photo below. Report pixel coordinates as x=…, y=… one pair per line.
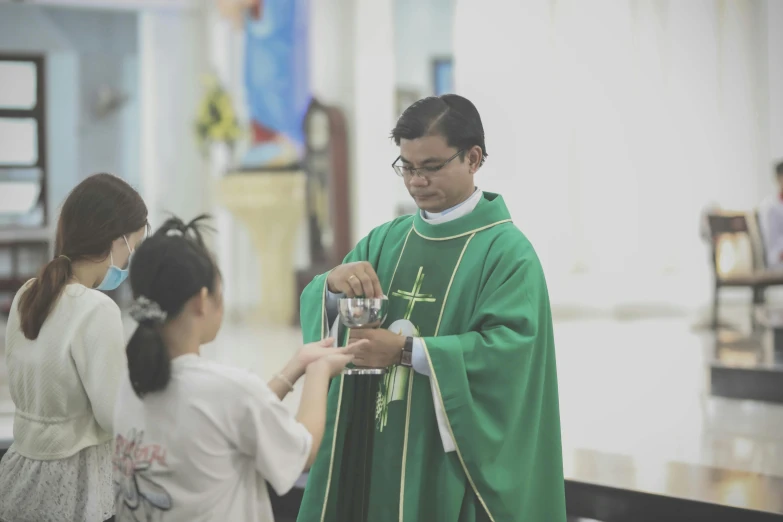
x=450, y=115
x=167, y=270
x=779, y=169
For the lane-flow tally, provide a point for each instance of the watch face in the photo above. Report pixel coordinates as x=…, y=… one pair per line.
x=406, y=358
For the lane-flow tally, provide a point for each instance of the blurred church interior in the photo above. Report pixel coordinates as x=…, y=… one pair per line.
x=634, y=141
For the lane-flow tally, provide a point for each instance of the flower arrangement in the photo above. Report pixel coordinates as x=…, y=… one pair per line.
x=217, y=121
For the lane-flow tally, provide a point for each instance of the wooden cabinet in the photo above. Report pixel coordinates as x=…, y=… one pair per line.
x=22, y=254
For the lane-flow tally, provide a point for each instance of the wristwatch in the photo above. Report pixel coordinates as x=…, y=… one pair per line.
x=407, y=353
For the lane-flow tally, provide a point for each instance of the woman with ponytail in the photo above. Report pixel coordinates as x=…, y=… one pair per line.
x=196, y=440
x=65, y=357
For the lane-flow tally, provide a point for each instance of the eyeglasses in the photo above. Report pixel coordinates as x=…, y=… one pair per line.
x=405, y=171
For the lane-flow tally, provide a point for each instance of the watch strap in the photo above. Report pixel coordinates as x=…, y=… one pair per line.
x=407, y=353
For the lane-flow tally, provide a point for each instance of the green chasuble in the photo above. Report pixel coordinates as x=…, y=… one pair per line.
x=474, y=291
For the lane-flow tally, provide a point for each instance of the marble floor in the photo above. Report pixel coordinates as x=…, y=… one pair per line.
x=640, y=388
x=636, y=387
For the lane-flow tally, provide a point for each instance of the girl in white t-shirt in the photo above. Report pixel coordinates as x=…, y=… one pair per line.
x=196, y=440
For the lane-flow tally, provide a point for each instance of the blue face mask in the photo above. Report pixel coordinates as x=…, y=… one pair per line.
x=115, y=275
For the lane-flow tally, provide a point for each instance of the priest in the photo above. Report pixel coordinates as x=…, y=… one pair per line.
x=467, y=421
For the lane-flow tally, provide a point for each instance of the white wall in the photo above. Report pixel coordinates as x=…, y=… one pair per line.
x=422, y=32
x=84, y=50
x=610, y=124
x=773, y=13
x=109, y=143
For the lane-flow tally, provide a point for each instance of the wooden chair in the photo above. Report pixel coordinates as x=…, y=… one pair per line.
x=738, y=258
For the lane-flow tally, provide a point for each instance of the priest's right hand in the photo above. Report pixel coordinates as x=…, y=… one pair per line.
x=355, y=279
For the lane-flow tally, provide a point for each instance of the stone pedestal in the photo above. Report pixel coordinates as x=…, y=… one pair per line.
x=270, y=204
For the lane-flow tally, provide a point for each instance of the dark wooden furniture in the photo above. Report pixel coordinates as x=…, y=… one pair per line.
x=328, y=194
x=25, y=243
x=757, y=278
x=748, y=367
x=28, y=251
x=37, y=113
x=758, y=383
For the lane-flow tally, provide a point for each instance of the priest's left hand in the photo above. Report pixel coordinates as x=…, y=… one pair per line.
x=383, y=349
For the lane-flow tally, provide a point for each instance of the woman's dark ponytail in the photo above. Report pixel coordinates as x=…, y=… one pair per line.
x=168, y=269
x=36, y=303
x=148, y=360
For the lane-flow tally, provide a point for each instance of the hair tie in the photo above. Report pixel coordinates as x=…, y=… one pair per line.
x=66, y=257
x=144, y=310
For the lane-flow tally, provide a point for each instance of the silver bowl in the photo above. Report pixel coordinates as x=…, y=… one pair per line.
x=361, y=312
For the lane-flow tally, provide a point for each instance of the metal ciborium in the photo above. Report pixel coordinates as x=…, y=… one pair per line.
x=363, y=312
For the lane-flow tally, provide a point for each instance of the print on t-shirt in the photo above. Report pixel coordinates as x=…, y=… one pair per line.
x=137, y=497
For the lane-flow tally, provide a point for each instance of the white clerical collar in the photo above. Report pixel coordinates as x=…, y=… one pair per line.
x=457, y=211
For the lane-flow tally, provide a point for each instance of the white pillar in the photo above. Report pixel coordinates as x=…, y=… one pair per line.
x=374, y=184
x=774, y=19
x=225, y=54
x=62, y=136
x=171, y=60
x=331, y=47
